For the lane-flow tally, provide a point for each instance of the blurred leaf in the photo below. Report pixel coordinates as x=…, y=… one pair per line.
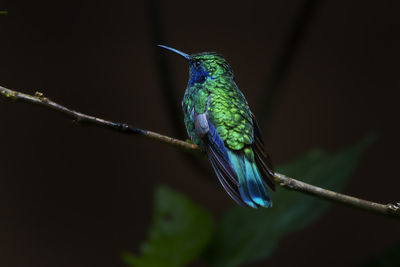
x=390, y=258
x=246, y=235
x=179, y=233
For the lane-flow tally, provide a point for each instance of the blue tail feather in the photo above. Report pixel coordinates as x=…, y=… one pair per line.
x=251, y=187
x=262, y=187
x=237, y=165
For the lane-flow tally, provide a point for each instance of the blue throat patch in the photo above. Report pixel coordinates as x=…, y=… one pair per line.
x=198, y=75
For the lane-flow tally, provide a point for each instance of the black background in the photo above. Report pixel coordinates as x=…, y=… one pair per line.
x=78, y=196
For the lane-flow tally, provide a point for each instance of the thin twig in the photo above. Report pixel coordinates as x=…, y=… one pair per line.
x=292, y=184
x=392, y=210
x=156, y=22
x=41, y=100
x=288, y=50
x=167, y=84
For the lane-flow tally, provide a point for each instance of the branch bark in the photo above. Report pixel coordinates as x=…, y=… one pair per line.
x=392, y=210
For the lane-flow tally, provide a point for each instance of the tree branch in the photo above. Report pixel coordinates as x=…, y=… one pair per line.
x=41, y=100
x=293, y=184
x=280, y=179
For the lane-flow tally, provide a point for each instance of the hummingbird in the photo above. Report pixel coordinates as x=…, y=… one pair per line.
x=218, y=119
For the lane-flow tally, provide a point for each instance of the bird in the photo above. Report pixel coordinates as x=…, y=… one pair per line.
x=218, y=119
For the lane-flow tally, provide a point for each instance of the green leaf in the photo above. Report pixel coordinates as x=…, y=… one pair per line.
x=245, y=235
x=179, y=233
x=3, y=12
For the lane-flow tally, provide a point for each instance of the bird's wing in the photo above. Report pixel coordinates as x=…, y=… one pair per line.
x=238, y=128
x=217, y=153
x=262, y=159
x=230, y=114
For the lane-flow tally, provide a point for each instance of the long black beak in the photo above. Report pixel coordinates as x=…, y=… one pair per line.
x=176, y=51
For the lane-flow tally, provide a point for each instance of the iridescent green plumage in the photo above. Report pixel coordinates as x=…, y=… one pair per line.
x=219, y=96
x=218, y=119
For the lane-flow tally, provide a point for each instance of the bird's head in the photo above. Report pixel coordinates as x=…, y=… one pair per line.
x=205, y=65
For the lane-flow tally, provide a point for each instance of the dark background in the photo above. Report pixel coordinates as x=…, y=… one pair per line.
x=78, y=196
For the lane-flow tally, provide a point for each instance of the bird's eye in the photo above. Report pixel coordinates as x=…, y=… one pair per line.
x=197, y=63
